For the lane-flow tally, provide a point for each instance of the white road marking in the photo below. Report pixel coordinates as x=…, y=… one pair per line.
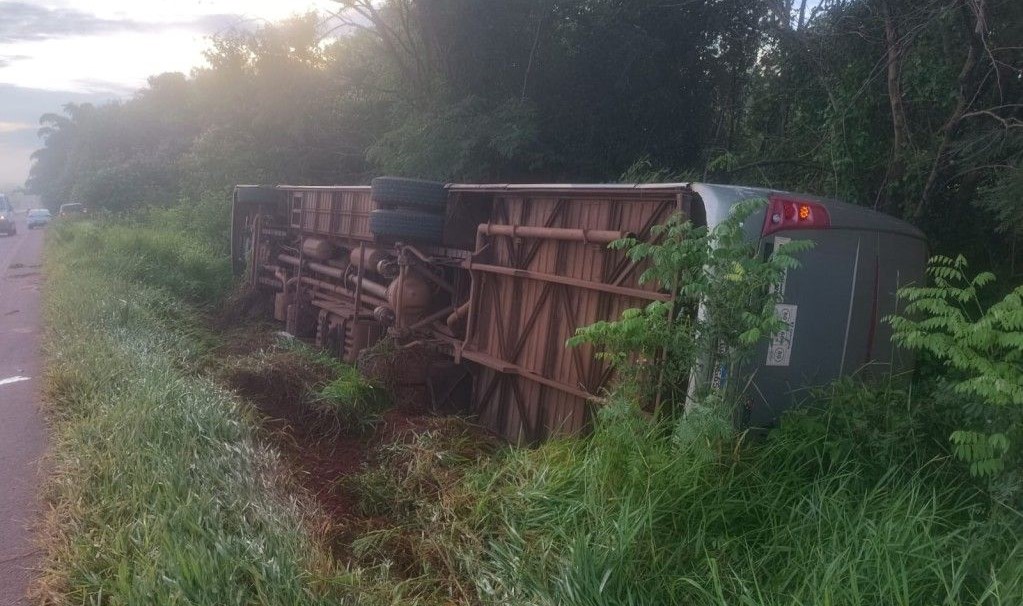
x=10, y=380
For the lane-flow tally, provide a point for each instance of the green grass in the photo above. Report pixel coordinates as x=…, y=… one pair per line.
x=341, y=402
x=349, y=404
x=161, y=492
x=423, y=508
x=186, y=267
x=809, y=516
x=289, y=378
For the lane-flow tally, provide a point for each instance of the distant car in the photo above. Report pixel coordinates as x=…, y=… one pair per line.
x=7, y=224
x=38, y=217
x=73, y=209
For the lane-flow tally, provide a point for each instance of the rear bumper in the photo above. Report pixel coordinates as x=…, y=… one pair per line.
x=7, y=225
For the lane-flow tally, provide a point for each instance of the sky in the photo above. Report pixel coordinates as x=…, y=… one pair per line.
x=53, y=52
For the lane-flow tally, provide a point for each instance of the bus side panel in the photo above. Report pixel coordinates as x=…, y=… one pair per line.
x=817, y=298
x=901, y=262
x=840, y=299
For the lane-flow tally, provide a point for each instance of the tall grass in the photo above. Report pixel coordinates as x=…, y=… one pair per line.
x=161, y=494
x=183, y=265
x=630, y=516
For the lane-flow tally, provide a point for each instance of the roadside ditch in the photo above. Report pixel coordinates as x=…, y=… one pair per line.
x=390, y=476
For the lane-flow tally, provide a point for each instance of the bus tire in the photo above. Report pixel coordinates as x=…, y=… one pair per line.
x=414, y=194
x=407, y=224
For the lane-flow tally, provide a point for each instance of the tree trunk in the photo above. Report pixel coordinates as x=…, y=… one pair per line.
x=894, y=48
x=900, y=126
x=967, y=89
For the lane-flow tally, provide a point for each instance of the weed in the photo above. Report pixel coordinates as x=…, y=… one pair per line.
x=349, y=404
x=375, y=490
x=277, y=380
x=658, y=348
x=293, y=381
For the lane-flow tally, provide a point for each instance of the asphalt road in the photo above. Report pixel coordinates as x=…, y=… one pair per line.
x=22, y=431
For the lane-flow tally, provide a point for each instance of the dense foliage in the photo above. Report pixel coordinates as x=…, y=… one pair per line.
x=980, y=349
x=913, y=108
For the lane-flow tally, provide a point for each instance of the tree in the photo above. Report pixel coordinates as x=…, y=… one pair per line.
x=913, y=108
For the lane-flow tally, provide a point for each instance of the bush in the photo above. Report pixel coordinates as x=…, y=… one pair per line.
x=873, y=426
x=980, y=348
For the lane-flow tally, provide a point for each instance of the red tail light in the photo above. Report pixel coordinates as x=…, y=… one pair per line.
x=789, y=213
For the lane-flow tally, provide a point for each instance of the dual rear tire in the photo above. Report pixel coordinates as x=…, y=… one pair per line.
x=413, y=194
x=408, y=209
x=407, y=224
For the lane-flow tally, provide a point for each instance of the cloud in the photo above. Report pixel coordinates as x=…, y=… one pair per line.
x=14, y=127
x=224, y=22
x=24, y=105
x=28, y=22
x=9, y=59
x=108, y=88
x=25, y=22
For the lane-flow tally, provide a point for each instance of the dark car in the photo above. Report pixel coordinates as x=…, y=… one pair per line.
x=7, y=223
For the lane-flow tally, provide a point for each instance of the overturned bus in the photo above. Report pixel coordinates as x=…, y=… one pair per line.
x=495, y=278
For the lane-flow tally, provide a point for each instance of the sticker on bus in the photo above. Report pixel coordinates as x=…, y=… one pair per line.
x=780, y=350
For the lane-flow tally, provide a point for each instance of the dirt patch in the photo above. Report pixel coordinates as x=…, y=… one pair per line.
x=320, y=465
x=242, y=340
x=277, y=381
x=323, y=466
x=244, y=307
x=281, y=384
